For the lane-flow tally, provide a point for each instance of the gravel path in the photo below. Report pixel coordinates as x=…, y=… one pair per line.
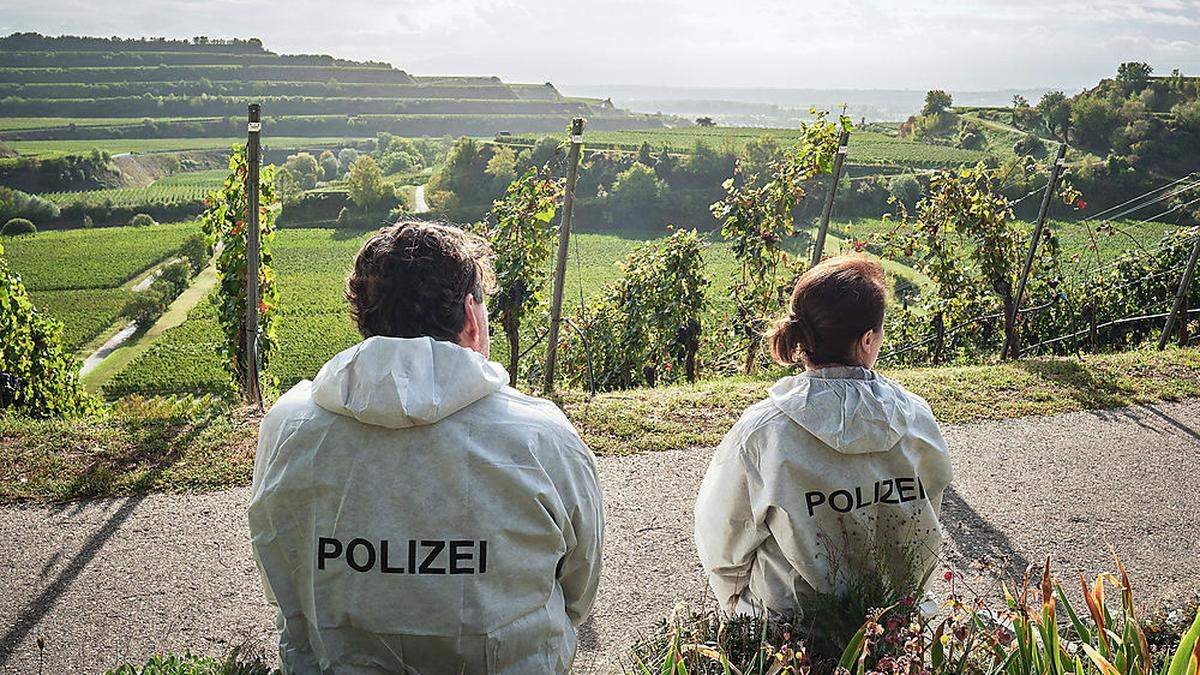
x=106, y=580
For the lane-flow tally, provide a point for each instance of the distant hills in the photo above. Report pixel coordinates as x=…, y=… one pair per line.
x=766, y=106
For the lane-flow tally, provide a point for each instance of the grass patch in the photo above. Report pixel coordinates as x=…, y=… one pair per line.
x=143, y=445
x=186, y=445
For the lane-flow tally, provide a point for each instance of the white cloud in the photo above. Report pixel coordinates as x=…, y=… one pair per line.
x=787, y=43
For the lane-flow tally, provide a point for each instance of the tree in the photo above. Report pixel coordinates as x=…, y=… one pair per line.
x=636, y=196
x=224, y=224
x=1093, y=121
x=303, y=168
x=1055, y=111
x=646, y=154
x=521, y=234
x=936, y=101
x=141, y=220
x=330, y=168
x=38, y=376
x=705, y=122
x=756, y=217
x=502, y=167
x=1133, y=76
x=1022, y=113
x=365, y=181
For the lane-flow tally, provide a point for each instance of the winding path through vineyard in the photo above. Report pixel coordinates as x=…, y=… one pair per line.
x=111, y=579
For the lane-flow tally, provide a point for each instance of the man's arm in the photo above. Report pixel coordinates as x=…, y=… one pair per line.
x=579, y=569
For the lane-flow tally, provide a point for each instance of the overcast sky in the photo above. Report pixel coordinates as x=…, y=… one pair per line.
x=955, y=44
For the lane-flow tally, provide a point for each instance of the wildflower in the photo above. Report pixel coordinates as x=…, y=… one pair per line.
x=948, y=576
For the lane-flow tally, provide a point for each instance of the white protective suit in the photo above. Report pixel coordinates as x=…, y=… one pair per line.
x=411, y=513
x=835, y=466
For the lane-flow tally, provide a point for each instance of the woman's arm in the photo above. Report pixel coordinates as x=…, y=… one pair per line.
x=728, y=531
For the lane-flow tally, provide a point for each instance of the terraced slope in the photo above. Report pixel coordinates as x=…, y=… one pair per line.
x=157, y=88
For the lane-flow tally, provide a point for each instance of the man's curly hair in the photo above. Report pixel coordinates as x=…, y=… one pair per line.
x=410, y=280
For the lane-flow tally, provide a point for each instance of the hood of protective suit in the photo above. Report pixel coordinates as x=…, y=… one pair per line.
x=398, y=382
x=412, y=514
x=852, y=410
x=839, y=473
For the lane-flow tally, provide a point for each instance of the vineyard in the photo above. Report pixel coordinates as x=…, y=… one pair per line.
x=80, y=277
x=47, y=149
x=868, y=148
x=175, y=189
x=190, y=187
x=311, y=267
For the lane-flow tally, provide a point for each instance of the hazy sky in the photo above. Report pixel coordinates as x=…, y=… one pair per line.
x=774, y=43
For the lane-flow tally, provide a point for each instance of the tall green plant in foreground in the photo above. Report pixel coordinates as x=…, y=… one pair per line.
x=37, y=376
x=522, y=235
x=757, y=217
x=224, y=224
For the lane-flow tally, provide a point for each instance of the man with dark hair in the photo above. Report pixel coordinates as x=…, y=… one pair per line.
x=410, y=511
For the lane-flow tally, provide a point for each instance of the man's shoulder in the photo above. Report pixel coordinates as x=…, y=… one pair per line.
x=295, y=404
x=534, y=414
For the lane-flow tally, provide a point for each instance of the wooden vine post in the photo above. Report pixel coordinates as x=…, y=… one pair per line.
x=253, y=391
x=1012, y=344
x=823, y=228
x=564, y=238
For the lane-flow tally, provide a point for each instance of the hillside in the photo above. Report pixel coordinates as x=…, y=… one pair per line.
x=158, y=88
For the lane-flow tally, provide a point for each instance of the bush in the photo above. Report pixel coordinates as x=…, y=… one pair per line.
x=17, y=226
x=17, y=204
x=141, y=220
x=1029, y=145
x=1039, y=631
x=645, y=329
x=238, y=662
x=905, y=189
x=195, y=251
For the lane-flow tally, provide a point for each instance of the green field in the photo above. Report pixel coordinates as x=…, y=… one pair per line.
x=80, y=277
x=177, y=188
x=46, y=149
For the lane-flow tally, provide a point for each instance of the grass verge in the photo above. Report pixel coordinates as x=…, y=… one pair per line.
x=168, y=445
x=620, y=423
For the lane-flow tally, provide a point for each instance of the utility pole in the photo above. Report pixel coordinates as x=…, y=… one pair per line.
x=1180, y=295
x=1011, y=342
x=564, y=238
x=253, y=392
x=823, y=229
